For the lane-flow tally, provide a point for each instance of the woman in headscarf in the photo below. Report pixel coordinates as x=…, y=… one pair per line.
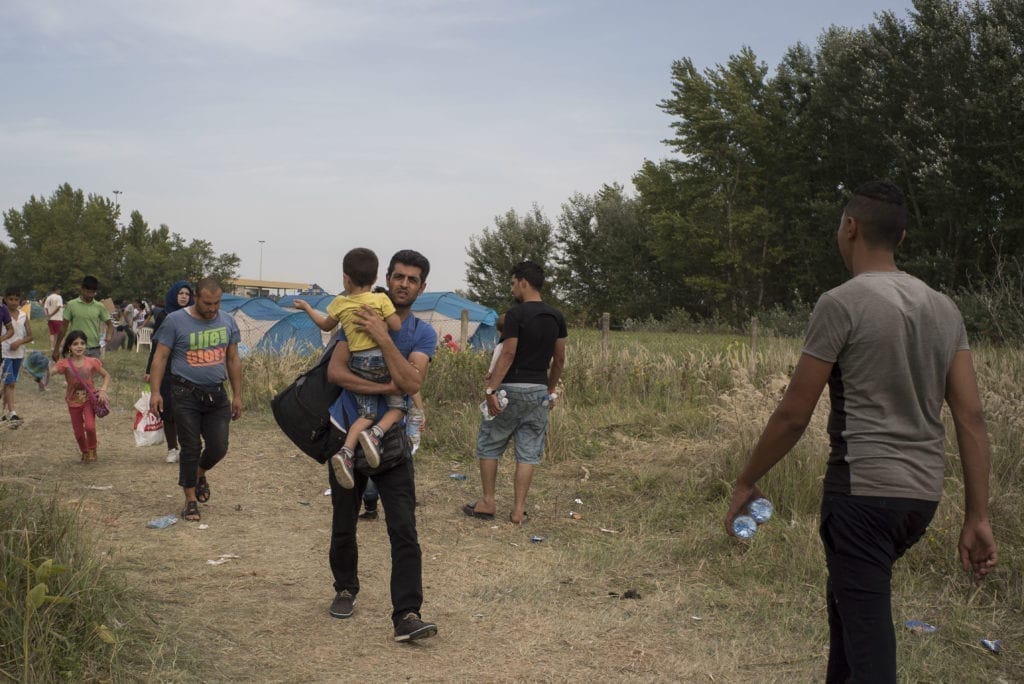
x=179, y=296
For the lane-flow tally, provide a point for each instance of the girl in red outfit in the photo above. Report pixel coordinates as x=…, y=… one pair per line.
x=79, y=370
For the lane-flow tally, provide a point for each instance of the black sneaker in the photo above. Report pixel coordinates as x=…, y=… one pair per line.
x=343, y=604
x=368, y=514
x=411, y=627
x=343, y=468
x=370, y=439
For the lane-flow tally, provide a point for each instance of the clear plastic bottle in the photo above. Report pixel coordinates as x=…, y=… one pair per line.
x=759, y=512
x=548, y=398
x=163, y=521
x=413, y=426
x=502, y=402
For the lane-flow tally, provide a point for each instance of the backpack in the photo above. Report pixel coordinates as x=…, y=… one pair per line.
x=301, y=411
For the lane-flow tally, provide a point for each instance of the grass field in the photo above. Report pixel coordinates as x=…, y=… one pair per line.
x=650, y=434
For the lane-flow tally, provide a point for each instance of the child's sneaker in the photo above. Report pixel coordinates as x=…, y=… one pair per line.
x=342, y=462
x=370, y=439
x=172, y=455
x=16, y=421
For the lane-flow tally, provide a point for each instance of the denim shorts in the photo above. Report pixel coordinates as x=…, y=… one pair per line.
x=369, y=365
x=524, y=418
x=11, y=368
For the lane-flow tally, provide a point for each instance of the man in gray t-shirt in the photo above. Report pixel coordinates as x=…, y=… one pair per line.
x=891, y=350
x=201, y=345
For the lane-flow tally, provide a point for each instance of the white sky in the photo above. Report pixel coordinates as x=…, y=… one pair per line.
x=321, y=125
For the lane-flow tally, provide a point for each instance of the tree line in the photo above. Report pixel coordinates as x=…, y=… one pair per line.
x=742, y=218
x=57, y=240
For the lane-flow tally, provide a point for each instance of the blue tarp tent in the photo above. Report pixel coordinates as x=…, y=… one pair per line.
x=318, y=302
x=268, y=327
x=254, y=316
x=230, y=302
x=296, y=333
x=443, y=310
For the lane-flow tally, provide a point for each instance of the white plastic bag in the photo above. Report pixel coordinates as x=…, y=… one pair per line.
x=148, y=428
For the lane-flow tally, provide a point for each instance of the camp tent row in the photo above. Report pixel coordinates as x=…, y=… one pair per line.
x=275, y=327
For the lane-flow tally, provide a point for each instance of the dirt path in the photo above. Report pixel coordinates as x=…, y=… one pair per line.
x=507, y=609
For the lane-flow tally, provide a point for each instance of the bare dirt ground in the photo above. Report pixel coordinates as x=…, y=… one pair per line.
x=507, y=609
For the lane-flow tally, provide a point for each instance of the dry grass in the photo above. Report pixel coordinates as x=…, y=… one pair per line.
x=653, y=485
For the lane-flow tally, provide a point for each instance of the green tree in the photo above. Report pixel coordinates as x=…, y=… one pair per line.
x=726, y=122
x=604, y=261
x=60, y=239
x=492, y=255
x=145, y=260
x=744, y=218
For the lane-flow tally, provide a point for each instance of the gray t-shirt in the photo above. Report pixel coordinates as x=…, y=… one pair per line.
x=198, y=347
x=892, y=339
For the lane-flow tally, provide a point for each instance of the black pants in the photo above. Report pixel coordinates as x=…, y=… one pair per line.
x=398, y=494
x=863, y=536
x=201, y=416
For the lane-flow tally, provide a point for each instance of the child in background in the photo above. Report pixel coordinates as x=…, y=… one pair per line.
x=359, y=269
x=14, y=352
x=37, y=364
x=79, y=370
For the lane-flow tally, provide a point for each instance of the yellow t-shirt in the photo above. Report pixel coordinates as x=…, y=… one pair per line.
x=343, y=309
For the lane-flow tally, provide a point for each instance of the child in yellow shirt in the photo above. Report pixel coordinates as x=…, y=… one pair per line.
x=359, y=268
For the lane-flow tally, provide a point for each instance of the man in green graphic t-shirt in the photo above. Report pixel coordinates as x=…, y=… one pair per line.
x=198, y=347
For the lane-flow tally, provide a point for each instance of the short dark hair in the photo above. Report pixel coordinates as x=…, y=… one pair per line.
x=530, y=272
x=207, y=285
x=13, y=290
x=360, y=264
x=90, y=283
x=881, y=212
x=410, y=257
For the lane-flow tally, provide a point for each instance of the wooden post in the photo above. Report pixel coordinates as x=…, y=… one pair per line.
x=606, y=321
x=755, y=332
x=464, y=331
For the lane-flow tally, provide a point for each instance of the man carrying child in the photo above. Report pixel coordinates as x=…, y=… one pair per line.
x=359, y=273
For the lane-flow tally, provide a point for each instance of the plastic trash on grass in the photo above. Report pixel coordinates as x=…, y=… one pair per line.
x=162, y=522
x=919, y=627
x=994, y=645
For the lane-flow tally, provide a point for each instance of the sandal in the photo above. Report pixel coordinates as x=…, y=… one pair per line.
x=190, y=512
x=202, y=490
x=470, y=511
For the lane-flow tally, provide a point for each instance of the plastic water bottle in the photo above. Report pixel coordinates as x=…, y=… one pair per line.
x=548, y=398
x=759, y=512
x=502, y=403
x=744, y=526
x=413, y=426
x=163, y=521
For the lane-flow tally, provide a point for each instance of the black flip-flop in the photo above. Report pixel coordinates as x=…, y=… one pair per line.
x=470, y=510
x=202, y=490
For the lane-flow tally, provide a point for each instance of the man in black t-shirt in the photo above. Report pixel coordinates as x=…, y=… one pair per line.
x=528, y=370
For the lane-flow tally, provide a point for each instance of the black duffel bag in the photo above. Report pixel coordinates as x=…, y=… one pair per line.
x=301, y=411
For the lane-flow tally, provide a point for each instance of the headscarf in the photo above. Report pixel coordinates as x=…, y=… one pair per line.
x=171, y=298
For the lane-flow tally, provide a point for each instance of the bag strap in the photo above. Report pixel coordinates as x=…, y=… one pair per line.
x=86, y=384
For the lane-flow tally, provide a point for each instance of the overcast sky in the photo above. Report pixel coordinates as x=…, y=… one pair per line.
x=319, y=126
